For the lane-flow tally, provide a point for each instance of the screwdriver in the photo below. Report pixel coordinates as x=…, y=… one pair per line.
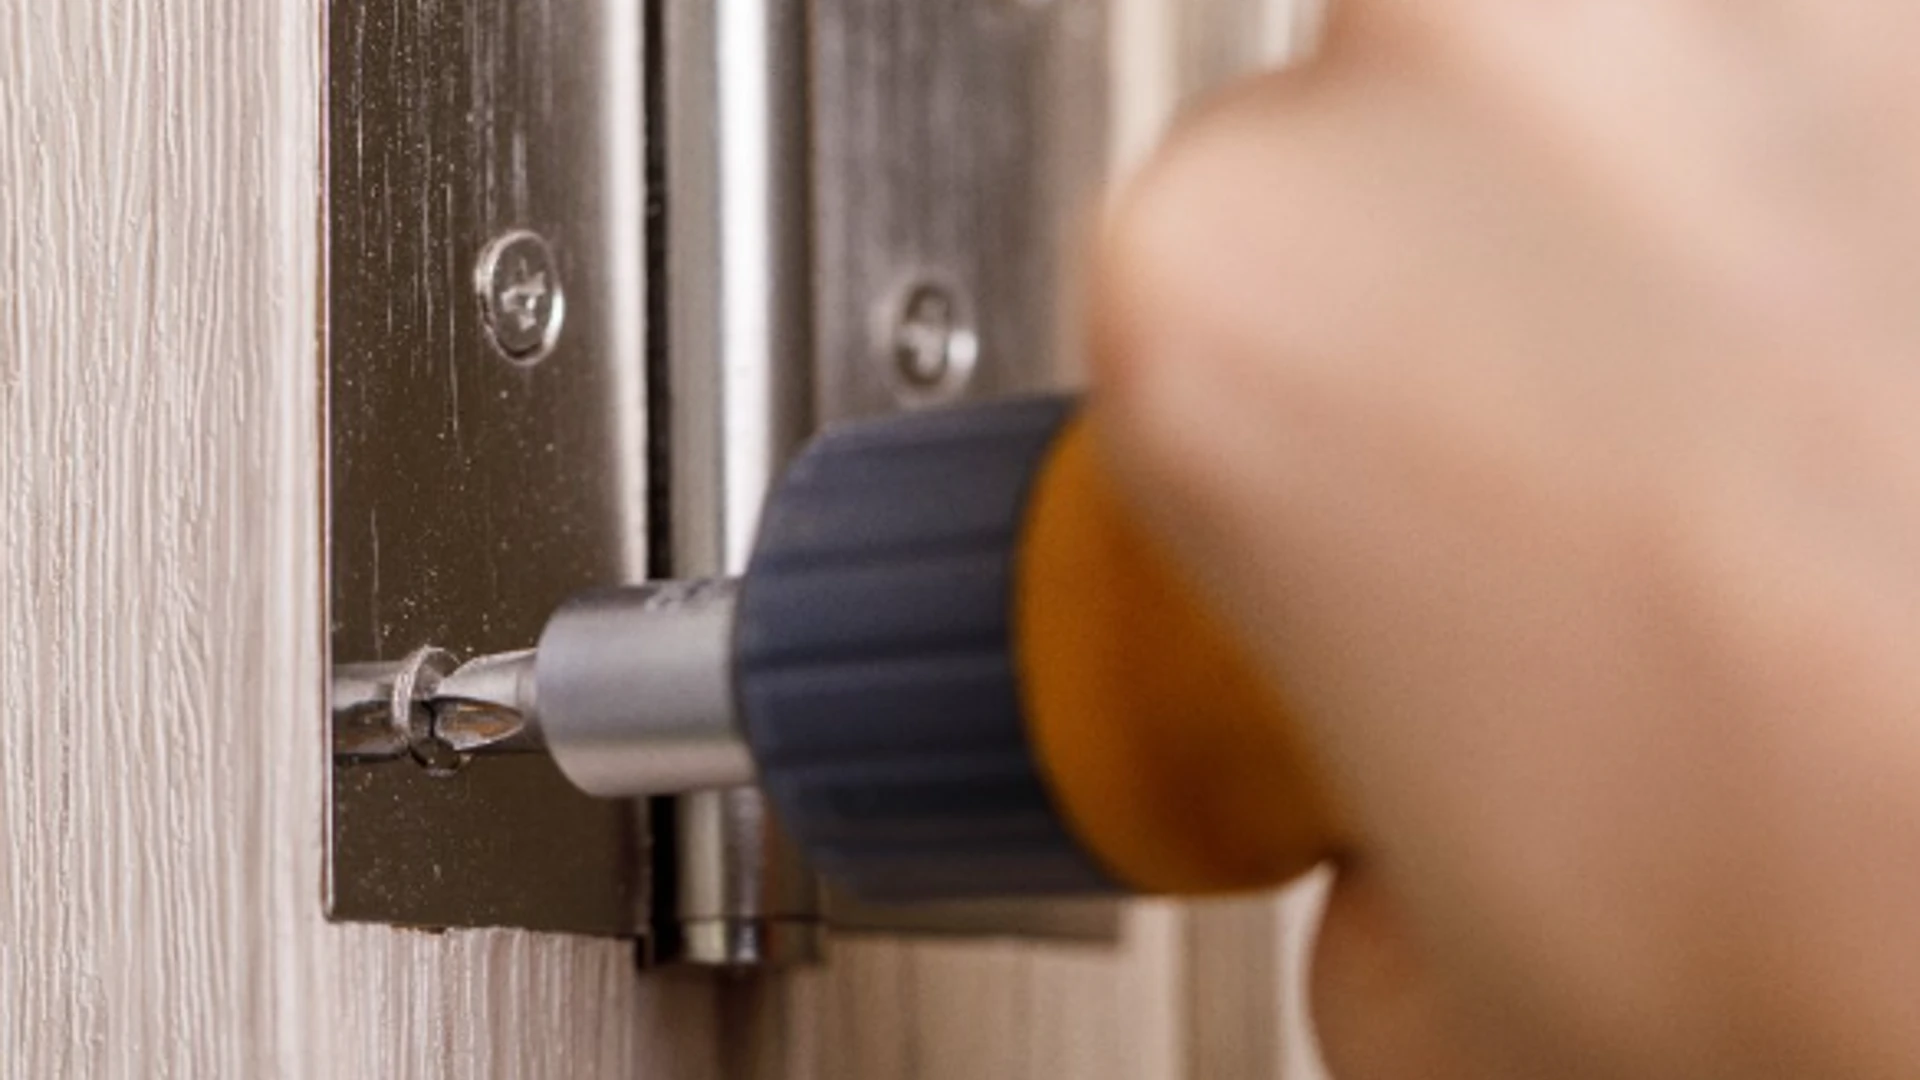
x=956, y=666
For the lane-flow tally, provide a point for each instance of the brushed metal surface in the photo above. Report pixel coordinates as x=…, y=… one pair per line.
x=471, y=495
x=957, y=144
x=737, y=284
x=953, y=142
x=669, y=645
x=739, y=373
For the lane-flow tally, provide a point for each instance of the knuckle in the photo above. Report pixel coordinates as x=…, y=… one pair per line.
x=1205, y=250
x=1233, y=164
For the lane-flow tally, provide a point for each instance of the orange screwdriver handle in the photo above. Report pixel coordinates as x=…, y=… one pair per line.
x=963, y=669
x=1172, y=757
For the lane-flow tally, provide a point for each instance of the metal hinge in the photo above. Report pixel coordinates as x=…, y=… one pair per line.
x=594, y=268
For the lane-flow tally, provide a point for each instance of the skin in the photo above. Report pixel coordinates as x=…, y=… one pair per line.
x=1536, y=384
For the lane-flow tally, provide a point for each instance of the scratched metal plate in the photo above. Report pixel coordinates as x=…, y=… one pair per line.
x=471, y=494
x=961, y=143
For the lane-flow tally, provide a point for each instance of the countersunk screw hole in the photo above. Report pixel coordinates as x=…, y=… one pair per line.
x=935, y=346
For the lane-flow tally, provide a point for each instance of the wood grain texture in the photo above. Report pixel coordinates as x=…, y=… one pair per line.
x=161, y=657
x=1006, y=1009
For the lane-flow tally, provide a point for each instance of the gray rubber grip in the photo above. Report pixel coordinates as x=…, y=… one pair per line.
x=873, y=659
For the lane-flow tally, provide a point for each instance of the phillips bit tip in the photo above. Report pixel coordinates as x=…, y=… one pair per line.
x=488, y=705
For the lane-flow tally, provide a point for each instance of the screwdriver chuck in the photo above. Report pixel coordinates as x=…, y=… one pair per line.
x=957, y=668
x=877, y=669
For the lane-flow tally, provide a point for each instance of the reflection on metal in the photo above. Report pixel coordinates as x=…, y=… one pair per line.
x=738, y=301
x=748, y=900
x=518, y=282
x=472, y=492
x=738, y=328
x=488, y=706
x=956, y=142
x=669, y=644
x=935, y=345
x=883, y=226
x=958, y=147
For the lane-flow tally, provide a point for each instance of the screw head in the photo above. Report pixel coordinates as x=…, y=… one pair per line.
x=935, y=347
x=420, y=675
x=520, y=295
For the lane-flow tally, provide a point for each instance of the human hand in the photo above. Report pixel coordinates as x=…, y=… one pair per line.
x=1534, y=384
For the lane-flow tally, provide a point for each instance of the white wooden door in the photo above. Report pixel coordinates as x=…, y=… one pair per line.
x=161, y=662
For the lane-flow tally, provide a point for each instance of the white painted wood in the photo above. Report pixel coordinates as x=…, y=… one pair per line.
x=1008, y=1009
x=160, y=583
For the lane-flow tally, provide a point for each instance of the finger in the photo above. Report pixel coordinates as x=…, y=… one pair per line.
x=1378, y=1010
x=1272, y=268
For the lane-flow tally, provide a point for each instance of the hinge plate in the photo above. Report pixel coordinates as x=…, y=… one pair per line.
x=488, y=349
x=486, y=205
